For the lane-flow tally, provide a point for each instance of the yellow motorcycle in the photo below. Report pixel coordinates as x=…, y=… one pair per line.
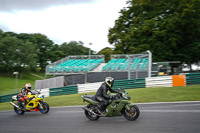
x=35, y=102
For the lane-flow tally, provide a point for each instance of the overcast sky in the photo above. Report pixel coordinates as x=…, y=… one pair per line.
x=62, y=20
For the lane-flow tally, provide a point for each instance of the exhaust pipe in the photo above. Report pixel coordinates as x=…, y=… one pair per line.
x=89, y=110
x=15, y=105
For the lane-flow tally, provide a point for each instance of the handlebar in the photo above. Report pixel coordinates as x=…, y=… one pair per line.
x=34, y=93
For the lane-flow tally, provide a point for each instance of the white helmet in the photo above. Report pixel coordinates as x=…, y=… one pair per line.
x=109, y=81
x=28, y=86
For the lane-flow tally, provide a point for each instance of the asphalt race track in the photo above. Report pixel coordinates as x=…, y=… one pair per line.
x=181, y=117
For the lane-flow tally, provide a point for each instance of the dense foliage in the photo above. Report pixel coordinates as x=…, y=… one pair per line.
x=106, y=52
x=32, y=52
x=170, y=29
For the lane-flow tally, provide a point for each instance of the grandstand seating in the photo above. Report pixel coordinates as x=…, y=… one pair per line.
x=76, y=65
x=135, y=64
x=144, y=64
x=123, y=64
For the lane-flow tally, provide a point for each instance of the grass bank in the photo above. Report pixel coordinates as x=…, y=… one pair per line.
x=8, y=84
x=142, y=95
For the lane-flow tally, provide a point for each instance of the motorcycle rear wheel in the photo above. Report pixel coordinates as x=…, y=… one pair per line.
x=131, y=114
x=18, y=111
x=45, y=108
x=89, y=115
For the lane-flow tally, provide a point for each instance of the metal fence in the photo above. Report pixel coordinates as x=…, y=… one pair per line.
x=137, y=65
x=99, y=77
x=162, y=81
x=50, y=83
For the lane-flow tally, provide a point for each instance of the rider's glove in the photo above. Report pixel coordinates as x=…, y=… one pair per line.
x=30, y=98
x=25, y=97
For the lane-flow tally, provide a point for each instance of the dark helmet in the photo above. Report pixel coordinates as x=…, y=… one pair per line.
x=109, y=81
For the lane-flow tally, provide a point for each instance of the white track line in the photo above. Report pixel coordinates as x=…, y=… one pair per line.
x=78, y=106
x=184, y=105
x=135, y=103
x=170, y=102
x=171, y=111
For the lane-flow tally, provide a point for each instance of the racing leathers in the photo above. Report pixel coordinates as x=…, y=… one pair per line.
x=102, y=96
x=22, y=97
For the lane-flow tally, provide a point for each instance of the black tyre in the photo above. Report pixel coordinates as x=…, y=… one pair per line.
x=45, y=108
x=18, y=111
x=131, y=114
x=89, y=115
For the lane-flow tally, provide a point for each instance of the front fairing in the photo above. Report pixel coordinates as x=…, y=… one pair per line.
x=115, y=107
x=126, y=96
x=31, y=104
x=14, y=98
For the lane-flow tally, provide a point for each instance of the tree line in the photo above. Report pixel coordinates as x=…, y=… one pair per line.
x=170, y=29
x=32, y=52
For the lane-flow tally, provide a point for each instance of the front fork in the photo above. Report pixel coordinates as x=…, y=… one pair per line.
x=128, y=106
x=40, y=105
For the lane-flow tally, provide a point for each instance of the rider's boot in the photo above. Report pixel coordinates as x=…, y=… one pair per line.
x=99, y=109
x=23, y=106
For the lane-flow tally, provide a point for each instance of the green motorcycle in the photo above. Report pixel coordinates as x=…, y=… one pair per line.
x=118, y=106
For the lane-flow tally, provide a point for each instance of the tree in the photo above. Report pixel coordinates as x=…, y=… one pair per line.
x=55, y=53
x=74, y=48
x=1, y=33
x=8, y=46
x=45, y=48
x=170, y=29
x=16, y=55
x=26, y=57
x=107, y=52
x=28, y=52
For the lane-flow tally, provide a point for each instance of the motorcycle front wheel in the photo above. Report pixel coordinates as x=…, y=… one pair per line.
x=89, y=115
x=45, y=108
x=131, y=114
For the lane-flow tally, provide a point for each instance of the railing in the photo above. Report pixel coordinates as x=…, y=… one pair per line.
x=163, y=81
x=67, y=90
x=7, y=98
x=129, y=84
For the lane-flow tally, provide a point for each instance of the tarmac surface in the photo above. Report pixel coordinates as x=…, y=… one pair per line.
x=176, y=117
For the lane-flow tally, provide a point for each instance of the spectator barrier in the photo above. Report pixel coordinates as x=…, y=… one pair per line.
x=67, y=90
x=8, y=98
x=163, y=81
x=193, y=78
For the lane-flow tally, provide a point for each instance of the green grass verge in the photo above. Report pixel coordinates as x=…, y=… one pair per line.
x=166, y=94
x=7, y=84
x=142, y=95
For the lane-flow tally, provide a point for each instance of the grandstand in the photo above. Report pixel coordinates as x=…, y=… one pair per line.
x=74, y=64
x=83, y=68
x=134, y=64
x=123, y=64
